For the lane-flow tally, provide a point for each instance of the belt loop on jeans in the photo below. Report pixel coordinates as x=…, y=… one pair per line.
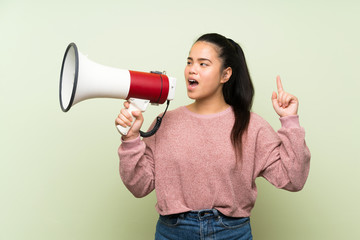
x=216, y=213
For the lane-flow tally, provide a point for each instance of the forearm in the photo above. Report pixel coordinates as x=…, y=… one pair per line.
x=136, y=167
x=294, y=153
x=287, y=156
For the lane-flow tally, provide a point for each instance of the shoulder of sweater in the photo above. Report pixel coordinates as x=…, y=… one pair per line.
x=174, y=113
x=260, y=130
x=258, y=123
x=257, y=119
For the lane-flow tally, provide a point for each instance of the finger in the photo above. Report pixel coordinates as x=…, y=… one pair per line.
x=287, y=100
x=123, y=121
x=120, y=122
x=137, y=114
x=274, y=96
x=280, y=98
x=138, y=117
x=279, y=84
x=138, y=121
x=126, y=113
x=291, y=99
x=126, y=104
x=274, y=100
x=125, y=117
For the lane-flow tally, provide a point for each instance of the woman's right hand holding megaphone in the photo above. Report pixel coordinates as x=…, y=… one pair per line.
x=125, y=119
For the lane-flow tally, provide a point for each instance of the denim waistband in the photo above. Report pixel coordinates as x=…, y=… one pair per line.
x=201, y=214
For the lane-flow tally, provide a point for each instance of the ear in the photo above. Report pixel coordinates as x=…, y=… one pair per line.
x=226, y=74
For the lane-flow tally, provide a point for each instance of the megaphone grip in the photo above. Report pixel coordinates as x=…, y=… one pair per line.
x=135, y=105
x=124, y=130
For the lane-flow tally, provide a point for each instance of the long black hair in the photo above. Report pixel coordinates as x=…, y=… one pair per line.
x=238, y=91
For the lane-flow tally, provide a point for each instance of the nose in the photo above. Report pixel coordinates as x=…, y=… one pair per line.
x=192, y=70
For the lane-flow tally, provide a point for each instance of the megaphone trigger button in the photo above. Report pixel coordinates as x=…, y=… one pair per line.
x=156, y=72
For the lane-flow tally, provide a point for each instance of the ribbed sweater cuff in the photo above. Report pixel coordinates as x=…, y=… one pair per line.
x=290, y=121
x=130, y=143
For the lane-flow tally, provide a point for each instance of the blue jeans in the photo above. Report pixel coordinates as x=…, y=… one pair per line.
x=202, y=225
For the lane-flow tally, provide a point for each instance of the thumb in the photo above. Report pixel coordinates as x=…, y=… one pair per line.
x=275, y=102
x=134, y=130
x=139, y=119
x=274, y=98
x=137, y=114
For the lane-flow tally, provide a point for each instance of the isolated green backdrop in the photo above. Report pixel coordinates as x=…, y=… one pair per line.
x=59, y=171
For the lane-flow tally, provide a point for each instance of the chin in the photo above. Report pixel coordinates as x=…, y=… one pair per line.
x=191, y=96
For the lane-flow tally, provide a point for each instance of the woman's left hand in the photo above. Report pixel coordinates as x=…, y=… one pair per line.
x=284, y=103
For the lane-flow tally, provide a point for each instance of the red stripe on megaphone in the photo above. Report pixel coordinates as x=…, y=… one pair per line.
x=150, y=86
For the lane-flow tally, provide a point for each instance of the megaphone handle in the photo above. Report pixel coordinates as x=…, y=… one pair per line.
x=135, y=105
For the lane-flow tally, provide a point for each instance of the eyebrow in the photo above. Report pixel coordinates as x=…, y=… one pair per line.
x=199, y=59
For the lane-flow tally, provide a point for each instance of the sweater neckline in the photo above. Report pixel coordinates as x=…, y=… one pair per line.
x=206, y=116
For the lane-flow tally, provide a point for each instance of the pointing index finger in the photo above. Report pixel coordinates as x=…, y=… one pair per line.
x=279, y=84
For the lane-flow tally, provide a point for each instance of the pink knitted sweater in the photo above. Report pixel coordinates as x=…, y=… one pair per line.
x=191, y=164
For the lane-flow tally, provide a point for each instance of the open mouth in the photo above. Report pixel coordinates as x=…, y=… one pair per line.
x=193, y=82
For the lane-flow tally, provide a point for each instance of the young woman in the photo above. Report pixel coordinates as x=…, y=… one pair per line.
x=204, y=159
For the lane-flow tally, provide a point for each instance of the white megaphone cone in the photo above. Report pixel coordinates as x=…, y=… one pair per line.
x=82, y=79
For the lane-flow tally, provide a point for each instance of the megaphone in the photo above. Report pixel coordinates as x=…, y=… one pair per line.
x=82, y=79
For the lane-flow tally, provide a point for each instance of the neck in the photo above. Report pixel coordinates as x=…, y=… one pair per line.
x=207, y=107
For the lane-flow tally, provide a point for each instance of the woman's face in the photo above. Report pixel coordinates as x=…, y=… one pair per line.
x=203, y=72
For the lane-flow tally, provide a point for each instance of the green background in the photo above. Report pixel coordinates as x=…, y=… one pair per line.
x=59, y=171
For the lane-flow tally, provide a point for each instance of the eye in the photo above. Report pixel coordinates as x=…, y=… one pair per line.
x=204, y=64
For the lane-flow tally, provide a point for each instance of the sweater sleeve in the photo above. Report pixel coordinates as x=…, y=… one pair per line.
x=285, y=155
x=137, y=166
